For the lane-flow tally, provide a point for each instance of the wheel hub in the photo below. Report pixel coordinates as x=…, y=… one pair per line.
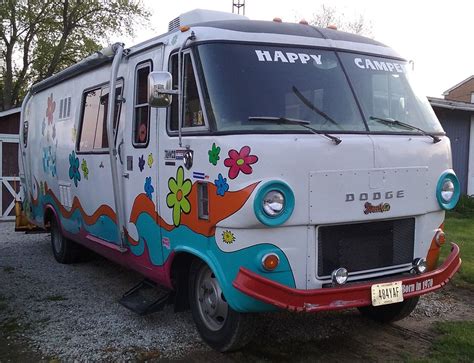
x=211, y=303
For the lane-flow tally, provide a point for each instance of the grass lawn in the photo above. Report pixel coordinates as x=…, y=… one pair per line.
x=460, y=229
x=456, y=342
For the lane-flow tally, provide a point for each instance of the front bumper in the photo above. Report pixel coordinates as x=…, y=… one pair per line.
x=357, y=294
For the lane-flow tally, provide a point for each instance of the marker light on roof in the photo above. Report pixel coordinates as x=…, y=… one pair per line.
x=277, y=20
x=303, y=22
x=332, y=26
x=184, y=28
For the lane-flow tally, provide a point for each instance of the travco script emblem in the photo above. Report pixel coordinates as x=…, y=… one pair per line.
x=370, y=208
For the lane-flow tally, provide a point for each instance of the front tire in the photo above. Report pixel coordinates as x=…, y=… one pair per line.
x=220, y=327
x=64, y=250
x=391, y=312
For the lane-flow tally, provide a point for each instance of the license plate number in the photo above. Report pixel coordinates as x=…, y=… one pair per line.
x=387, y=293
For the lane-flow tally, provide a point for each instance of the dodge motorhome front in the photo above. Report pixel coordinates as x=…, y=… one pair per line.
x=246, y=166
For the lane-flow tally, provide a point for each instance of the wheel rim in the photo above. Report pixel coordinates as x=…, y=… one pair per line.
x=210, y=300
x=57, y=238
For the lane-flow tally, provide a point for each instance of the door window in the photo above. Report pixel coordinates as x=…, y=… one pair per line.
x=141, y=125
x=193, y=115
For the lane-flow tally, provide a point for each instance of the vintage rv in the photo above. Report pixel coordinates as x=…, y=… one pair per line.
x=245, y=166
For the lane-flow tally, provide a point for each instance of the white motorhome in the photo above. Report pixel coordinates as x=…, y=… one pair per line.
x=245, y=166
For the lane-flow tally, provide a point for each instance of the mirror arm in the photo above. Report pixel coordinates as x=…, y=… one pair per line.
x=180, y=86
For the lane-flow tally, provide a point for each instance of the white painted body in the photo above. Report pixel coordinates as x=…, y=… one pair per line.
x=319, y=172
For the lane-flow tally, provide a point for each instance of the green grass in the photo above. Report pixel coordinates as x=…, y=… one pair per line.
x=456, y=342
x=460, y=229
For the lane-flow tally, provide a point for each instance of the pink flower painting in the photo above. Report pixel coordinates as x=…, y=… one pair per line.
x=240, y=162
x=50, y=109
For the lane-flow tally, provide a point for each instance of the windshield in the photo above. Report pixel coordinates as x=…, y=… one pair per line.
x=243, y=81
x=383, y=89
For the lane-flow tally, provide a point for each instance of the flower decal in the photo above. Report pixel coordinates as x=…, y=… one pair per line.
x=240, y=162
x=85, y=169
x=141, y=162
x=74, y=173
x=221, y=184
x=148, y=187
x=214, y=154
x=176, y=198
x=50, y=109
x=150, y=160
x=228, y=237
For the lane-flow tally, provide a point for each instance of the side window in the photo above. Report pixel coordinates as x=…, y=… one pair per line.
x=93, y=128
x=193, y=114
x=141, y=124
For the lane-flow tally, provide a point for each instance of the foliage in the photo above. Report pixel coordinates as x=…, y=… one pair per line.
x=329, y=15
x=464, y=208
x=41, y=37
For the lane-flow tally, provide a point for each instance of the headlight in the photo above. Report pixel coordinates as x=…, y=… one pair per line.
x=448, y=190
x=274, y=203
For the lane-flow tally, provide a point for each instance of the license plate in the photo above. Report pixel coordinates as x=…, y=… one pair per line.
x=387, y=293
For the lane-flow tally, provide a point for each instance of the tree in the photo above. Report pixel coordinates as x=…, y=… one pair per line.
x=328, y=15
x=41, y=37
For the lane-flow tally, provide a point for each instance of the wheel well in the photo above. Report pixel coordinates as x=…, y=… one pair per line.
x=48, y=217
x=180, y=277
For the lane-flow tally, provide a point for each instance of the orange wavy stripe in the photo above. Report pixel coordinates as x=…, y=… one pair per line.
x=103, y=210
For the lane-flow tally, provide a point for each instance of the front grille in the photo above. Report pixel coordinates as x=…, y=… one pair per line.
x=365, y=246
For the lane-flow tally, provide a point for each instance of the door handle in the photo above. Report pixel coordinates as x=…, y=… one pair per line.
x=126, y=175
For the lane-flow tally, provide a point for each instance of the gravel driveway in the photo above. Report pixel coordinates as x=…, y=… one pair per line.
x=70, y=312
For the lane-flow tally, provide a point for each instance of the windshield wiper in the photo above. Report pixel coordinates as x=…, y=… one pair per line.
x=392, y=122
x=312, y=107
x=304, y=123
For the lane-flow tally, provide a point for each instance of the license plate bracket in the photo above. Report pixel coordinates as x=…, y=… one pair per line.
x=387, y=293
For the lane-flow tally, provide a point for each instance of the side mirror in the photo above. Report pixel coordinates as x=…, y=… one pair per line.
x=160, y=89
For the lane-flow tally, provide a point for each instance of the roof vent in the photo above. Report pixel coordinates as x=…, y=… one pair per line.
x=174, y=24
x=201, y=16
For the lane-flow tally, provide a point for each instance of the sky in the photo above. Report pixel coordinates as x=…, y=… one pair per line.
x=436, y=35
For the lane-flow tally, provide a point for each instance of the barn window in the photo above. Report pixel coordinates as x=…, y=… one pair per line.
x=141, y=129
x=93, y=132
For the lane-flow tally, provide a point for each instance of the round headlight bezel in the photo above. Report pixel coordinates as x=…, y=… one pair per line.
x=446, y=177
x=288, y=206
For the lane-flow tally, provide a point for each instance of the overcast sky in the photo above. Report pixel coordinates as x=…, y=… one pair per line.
x=437, y=35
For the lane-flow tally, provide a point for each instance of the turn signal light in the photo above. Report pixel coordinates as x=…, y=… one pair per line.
x=270, y=261
x=440, y=238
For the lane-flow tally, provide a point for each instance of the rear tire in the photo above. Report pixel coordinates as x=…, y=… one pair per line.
x=220, y=327
x=392, y=312
x=64, y=250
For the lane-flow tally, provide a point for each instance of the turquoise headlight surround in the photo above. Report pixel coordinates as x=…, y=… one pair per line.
x=281, y=218
x=457, y=190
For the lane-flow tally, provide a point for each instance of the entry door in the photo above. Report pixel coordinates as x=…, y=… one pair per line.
x=139, y=152
x=9, y=178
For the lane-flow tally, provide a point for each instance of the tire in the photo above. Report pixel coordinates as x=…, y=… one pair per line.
x=222, y=328
x=392, y=312
x=64, y=250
